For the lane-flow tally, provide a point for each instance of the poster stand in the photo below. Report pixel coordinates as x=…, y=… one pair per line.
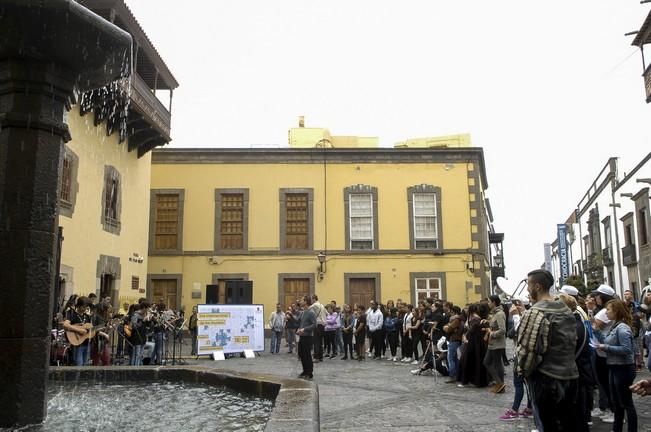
x=230, y=329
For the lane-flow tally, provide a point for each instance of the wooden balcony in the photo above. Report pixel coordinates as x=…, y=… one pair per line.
x=148, y=122
x=647, y=83
x=629, y=256
x=149, y=107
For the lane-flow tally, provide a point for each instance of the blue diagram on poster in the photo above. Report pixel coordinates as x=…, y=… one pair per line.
x=230, y=328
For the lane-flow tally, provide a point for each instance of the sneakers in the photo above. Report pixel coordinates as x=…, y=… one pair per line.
x=526, y=413
x=415, y=372
x=394, y=359
x=608, y=418
x=509, y=415
x=597, y=412
x=406, y=360
x=415, y=362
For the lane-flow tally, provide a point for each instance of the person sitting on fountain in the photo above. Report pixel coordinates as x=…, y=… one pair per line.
x=74, y=321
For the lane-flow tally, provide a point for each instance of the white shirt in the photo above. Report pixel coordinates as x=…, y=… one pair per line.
x=375, y=319
x=601, y=316
x=407, y=321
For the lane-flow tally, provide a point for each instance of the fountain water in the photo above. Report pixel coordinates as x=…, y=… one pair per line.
x=49, y=53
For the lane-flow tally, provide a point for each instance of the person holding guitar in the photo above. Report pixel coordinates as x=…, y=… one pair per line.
x=74, y=322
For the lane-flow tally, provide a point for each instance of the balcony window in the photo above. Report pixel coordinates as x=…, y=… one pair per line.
x=231, y=224
x=111, y=200
x=425, y=217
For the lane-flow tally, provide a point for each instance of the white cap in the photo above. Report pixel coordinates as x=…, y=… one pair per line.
x=569, y=290
x=605, y=290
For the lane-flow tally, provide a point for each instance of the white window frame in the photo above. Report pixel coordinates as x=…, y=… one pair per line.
x=417, y=239
x=436, y=293
x=371, y=222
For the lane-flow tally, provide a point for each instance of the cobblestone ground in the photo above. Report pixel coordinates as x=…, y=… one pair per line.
x=379, y=395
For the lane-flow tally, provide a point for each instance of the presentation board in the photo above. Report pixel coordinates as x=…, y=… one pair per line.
x=230, y=328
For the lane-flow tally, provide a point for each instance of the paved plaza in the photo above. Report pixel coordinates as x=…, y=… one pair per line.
x=379, y=395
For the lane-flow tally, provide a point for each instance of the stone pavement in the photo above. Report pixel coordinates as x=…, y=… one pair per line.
x=381, y=395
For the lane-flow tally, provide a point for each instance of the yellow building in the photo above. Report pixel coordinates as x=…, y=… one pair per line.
x=106, y=174
x=387, y=223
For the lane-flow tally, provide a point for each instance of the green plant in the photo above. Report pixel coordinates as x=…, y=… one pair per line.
x=577, y=282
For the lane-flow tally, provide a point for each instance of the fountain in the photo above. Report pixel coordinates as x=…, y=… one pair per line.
x=49, y=52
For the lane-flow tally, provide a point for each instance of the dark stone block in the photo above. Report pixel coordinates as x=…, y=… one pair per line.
x=23, y=380
x=30, y=162
x=27, y=280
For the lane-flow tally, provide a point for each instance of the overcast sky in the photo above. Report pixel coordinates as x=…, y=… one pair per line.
x=549, y=89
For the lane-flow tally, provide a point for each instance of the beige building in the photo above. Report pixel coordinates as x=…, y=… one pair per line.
x=106, y=174
x=349, y=223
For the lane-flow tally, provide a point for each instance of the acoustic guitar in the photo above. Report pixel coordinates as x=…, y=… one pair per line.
x=77, y=339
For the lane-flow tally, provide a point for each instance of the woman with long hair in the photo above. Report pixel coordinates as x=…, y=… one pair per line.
x=617, y=343
x=472, y=370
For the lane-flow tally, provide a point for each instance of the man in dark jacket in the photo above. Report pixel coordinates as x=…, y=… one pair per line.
x=305, y=331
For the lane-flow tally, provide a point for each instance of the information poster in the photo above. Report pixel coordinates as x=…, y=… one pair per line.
x=230, y=328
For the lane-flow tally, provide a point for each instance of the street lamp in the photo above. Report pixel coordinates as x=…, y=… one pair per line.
x=321, y=257
x=497, y=259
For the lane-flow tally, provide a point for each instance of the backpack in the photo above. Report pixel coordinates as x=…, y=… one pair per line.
x=532, y=341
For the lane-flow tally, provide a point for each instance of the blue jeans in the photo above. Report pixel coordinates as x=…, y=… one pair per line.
x=276, y=337
x=620, y=378
x=339, y=340
x=291, y=338
x=518, y=384
x=453, y=360
x=159, y=347
x=136, y=355
x=81, y=355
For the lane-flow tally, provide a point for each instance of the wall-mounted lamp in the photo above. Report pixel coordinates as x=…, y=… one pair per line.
x=626, y=195
x=644, y=180
x=497, y=260
x=322, y=258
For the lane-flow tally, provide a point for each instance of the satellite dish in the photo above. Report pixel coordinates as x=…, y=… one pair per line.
x=506, y=286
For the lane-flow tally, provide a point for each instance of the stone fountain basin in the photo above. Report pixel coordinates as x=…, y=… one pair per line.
x=296, y=402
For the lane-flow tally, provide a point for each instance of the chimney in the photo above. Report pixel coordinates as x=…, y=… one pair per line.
x=301, y=121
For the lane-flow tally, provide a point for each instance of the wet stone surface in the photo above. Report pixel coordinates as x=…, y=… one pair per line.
x=381, y=395
x=152, y=406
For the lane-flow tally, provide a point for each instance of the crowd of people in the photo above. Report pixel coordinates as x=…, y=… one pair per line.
x=575, y=358
x=87, y=330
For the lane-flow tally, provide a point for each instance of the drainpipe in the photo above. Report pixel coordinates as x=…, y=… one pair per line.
x=618, y=251
x=578, y=216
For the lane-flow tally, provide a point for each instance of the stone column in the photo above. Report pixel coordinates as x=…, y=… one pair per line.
x=34, y=99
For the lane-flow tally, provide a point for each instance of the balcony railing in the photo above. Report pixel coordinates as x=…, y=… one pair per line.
x=607, y=255
x=629, y=257
x=148, y=105
x=647, y=83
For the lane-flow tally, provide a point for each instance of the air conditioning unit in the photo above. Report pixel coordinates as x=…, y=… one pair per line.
x=213, y=260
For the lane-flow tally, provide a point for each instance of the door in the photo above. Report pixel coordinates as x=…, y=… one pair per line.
x=239, y=292
x=165, y=290
x=294, y=290
x=218, y=294
x=361, y=291
x=105, y=286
